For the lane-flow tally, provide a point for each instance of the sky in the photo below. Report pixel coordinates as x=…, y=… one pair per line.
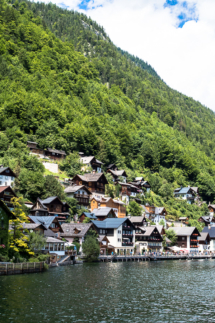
x=177, y=38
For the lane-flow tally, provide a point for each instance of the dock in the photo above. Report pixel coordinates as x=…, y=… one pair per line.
x=21, y=268
x=118, y=258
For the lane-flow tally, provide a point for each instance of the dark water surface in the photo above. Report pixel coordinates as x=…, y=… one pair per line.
x=169, y=291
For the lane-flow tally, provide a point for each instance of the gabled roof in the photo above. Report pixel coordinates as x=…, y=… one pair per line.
x=203, y=237
x=87, y=160
x=118, y=172
x=207, y=218
x=137, y=179
x=212, y=205
x=92, y=177
x=209, y=230
x=2, y=169
x=32, y=226
x=49, y=200
x=61, y=152
x=136, y=219
x=90, y=215
x=147, y=231
x=54, y=240
x=3, y=188
x=111, y=165
x=183, y=231
x=109, y=223
x=75, y=188
x=182, y=190
x=101, y=238
x=69, y=229
x=44, y=220
x=103, y=211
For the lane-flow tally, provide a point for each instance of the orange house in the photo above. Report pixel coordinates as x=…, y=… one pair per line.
x=118, y=206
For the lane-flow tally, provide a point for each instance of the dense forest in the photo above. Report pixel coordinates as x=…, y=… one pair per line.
x=64, y=84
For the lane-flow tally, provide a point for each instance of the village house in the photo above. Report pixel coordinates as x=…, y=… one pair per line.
x=7, y=176
x=129, y=190
x=207, y=220
x=34, y=227
x=49, y=222
x=211, y=231
x=76, y=231
x=120, y=233
x=92, y=162
x=84, y=215
x=6, y=195
x=187, y=238
x=141, y=184
x=117, y=174
x=138, y=221
x=94, y=182
x=204, y=241
x=102, y=213
x=118, y=206
x=155, y=214
x=105, y=248
x=5, y=216
x=148, y=238
x=50, y=153
x=80, y=193
x=190, y=194
x=55, y=247
x=51, y=206
x=183, y=219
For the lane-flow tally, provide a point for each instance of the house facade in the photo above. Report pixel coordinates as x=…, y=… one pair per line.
x=190, y=194
x=211, y=231
x=204, y=242
x=155, y=214
x=6, y=195
x=92, y=162
x=94, y=182
x=50, y=153
x=80, y=193
x=102, y=213
x=7, y=176
x=117, y=175
x=187, y=238
x=84, y=215
x=148, y=238
x=51, y=206
x=76, y=231
x=118, y=206
x=49, y=222
x=120, y=233
x=141, y=184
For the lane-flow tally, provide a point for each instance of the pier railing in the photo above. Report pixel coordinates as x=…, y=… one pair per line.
x=21, y=268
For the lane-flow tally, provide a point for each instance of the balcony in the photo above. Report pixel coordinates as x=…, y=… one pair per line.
x=127, y=244
x=127, y=235
x=126, y=227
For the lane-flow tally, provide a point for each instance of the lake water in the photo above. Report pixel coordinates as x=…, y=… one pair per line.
x=167, y=291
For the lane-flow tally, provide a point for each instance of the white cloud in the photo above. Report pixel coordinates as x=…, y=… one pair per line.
x=183, y=57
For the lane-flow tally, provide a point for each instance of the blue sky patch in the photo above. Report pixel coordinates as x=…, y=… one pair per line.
x=84, y=4
x=187, y=11
x=62, y=5
x=169, y=3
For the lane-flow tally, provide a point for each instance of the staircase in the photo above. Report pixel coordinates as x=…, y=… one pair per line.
x=65, y=258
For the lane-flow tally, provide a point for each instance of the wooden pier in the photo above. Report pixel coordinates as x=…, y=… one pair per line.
x=118, y=258
x=21, y=268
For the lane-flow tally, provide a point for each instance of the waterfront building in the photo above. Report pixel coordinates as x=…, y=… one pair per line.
x=211, y=230
x=187, y=237
x=80, y=193
x=204, y=241
x=105, y=248
x=76, y=231
x=7, y=176
x=148, y=238
x=55, y=247
x=119, y=231
x=118, y=206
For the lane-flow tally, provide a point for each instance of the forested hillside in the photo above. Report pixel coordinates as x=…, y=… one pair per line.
x=136, y=79
x=53, y=94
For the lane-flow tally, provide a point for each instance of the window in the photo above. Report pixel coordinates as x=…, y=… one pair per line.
x=119, y=231
x=119, y=240
x=103, y=231
x=183, y=238
x=0, y=182
x=6, y=177
x=100, y=231
x=5, y=183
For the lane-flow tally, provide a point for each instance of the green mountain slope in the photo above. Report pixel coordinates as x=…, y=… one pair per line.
x=135, y=78
x=54, y=95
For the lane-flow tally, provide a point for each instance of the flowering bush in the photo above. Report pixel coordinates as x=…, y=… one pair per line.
x=2, y=246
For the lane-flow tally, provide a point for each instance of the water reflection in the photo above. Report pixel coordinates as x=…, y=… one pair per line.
x=171, y=291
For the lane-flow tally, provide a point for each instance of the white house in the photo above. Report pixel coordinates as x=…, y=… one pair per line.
x=7, y=176
x=190, y=194
x=120, y=232
x=91, y=161
x=211, y=230
x=187, y=238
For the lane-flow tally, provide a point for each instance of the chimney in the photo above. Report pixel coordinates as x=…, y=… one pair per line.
x=94, y=171
x=209, y=226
